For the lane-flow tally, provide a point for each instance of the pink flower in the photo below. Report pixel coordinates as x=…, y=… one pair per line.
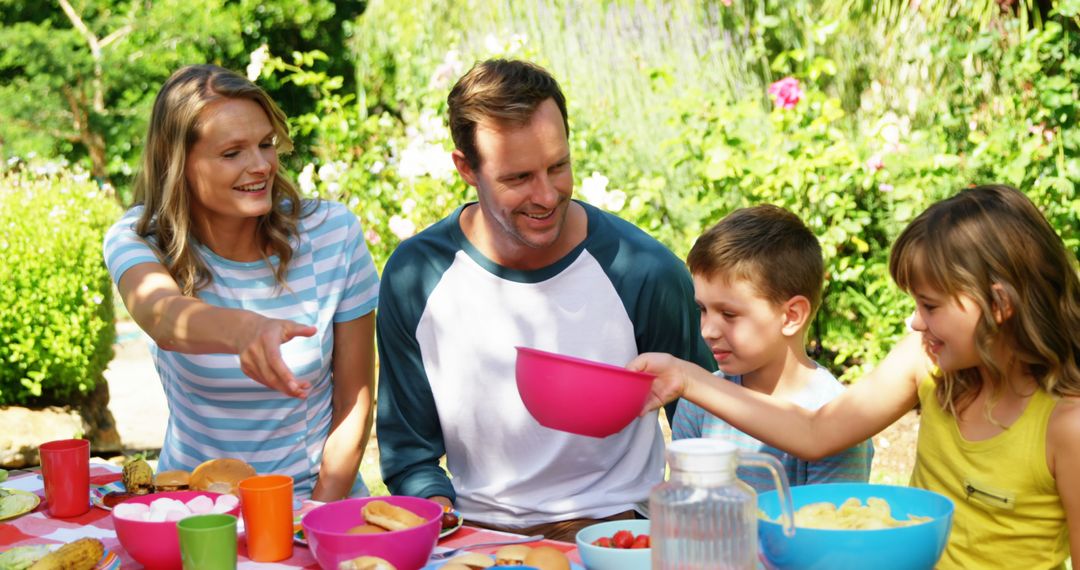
x=786, y=92
x=875, y=163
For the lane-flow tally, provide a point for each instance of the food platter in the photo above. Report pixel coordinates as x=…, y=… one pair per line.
x=16, y=503
x=109, y=560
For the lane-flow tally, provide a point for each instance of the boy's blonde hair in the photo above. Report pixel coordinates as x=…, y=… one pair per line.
x=162, y=187
x=767, y=246
x=994, y=235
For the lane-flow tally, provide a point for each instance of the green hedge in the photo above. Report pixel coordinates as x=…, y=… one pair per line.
x=56, y=308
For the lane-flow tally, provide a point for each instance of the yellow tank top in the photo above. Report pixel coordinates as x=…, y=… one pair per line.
x=1008, y=512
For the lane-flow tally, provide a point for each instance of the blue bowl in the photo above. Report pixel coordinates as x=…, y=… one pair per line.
x=601, y=558
x=916, y=547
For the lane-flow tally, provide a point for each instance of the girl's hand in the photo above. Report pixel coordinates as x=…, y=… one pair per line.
x=260, y=355
x=671, y=382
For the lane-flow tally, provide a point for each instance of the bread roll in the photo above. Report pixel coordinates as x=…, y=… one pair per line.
x=175, y=480
x=390, y=517
x=366, y=529
x=547, y=558
x=473, y=561
x=513, y=555
x=220, y=475
x=366, y=563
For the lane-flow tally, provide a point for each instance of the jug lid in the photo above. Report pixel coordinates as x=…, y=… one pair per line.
x=702, y=454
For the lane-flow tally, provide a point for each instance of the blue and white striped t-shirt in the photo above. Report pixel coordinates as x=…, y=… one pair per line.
x=214, y=409
x=849, y=466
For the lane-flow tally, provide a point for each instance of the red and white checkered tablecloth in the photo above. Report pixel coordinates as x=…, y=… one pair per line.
x=38, y=528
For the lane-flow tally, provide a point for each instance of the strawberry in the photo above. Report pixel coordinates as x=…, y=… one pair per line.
x=602, y=541
x=622, y=539
x=641, y=541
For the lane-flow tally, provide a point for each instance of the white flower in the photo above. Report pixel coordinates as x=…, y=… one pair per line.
x=421, y=158
x=594, y=188
x=450, y=68
x=408, y=206
x=615, y=201
x=492, y=44
x=331, y=171
x=259, y=58
x=377, y=167
x=306, y=179
x=401, y=227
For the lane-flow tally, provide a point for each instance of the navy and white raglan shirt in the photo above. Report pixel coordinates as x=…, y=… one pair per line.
x=449, y=322
x=214, y=409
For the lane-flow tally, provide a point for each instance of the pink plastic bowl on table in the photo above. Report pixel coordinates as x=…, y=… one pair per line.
x=326, y=528
x=577, y=395
x=156, y=544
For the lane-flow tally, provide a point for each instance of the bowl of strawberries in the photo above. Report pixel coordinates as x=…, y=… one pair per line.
x=615, y=545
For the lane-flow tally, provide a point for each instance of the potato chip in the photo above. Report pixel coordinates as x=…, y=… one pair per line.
x=851, y=515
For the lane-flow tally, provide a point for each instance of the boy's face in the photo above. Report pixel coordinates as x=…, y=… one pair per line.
x=742, y=328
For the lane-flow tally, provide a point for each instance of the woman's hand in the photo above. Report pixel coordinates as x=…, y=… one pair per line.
x=672, y=378
x=260, y=354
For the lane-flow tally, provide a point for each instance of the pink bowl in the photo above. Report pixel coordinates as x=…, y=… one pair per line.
x=156, y=544
x=326, y=528
x=577, y=395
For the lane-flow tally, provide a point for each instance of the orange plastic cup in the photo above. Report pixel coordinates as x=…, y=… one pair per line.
x=266, y=504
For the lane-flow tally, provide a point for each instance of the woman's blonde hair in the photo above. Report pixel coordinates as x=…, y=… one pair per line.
x=991, y=244
x=163, y=189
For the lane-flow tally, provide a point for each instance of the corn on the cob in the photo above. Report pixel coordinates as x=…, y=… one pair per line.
x=83, y=554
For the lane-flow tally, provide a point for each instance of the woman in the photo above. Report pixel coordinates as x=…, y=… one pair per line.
x=260, y=305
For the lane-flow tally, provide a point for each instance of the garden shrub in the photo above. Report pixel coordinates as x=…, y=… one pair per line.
x=56, y=307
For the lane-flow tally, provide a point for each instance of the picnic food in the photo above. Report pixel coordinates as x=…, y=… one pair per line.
x=852, y=515
x=83, y=554
x=513, y=555
x=449, y=519
x=22, y=557
x=175, y=480
x=623, y=539
x=472, y=561
x=366, y=529
x=138, y=477
x=547, y=558
x=390, y=517
x=115, y=498
x=366, y=563
x=12, y=503
x=220, y=475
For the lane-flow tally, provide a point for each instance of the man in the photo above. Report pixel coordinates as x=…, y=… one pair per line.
x=525, y=265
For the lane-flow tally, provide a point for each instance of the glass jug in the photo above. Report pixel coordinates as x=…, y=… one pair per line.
x=703, y=516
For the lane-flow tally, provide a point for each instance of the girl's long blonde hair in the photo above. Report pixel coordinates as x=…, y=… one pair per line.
x=163, y=189
x=994, y=235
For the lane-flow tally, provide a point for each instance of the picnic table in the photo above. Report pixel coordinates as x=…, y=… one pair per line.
x=37, y=527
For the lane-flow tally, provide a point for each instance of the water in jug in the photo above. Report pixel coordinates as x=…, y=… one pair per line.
x=703, y=516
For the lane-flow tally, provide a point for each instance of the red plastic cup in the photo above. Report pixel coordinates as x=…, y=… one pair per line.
x=65, y=467
x=266, y=503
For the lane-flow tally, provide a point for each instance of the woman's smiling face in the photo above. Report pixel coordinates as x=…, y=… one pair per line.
x=231, y=167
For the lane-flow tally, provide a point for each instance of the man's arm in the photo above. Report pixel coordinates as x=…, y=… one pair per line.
x=410, y=436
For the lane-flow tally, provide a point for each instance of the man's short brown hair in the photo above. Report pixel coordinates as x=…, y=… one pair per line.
x=505, y=91
x=766, y=245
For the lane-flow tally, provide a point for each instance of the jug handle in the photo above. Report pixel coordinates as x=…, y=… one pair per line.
x=780, y=480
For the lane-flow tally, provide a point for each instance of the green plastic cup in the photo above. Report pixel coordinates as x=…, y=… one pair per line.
x=208, y=542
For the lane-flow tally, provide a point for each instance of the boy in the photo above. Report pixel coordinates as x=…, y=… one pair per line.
x=758, y=276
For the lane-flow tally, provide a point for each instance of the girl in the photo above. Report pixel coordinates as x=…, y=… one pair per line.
x=994, y=362
x=261, y=305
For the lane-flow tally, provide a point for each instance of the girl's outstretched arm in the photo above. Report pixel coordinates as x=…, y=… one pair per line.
x=1063, y=447
x=869, y=406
